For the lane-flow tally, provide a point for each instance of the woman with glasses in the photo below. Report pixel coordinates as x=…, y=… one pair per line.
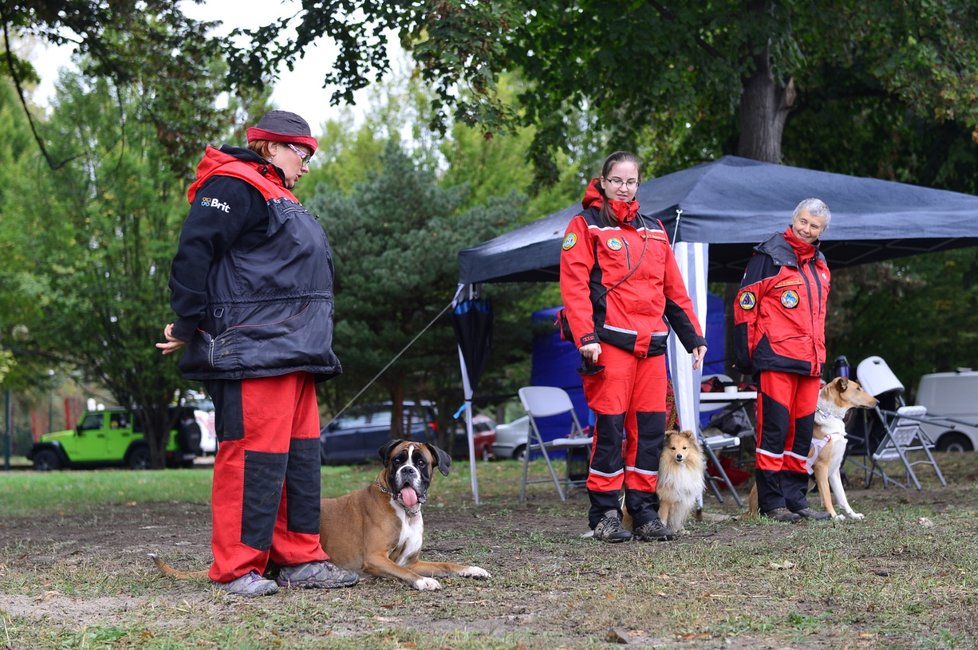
x=622, y=292
x=252, y=288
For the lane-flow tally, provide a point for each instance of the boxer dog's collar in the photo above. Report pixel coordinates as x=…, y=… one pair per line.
x=410, y=512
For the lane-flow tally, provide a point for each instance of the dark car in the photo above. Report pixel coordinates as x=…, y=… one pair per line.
x=360, y=432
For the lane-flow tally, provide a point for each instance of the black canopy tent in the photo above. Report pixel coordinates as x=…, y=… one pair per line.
x=715, y=214
x=733, y=203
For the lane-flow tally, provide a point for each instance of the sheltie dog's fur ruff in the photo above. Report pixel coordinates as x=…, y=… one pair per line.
x=681, y=480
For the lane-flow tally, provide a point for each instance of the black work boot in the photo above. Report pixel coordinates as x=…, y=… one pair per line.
x=808, y=513
x=609, y=529
x=654, y=530
x=783, y=515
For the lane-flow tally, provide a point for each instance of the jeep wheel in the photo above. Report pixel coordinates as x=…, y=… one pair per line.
x=138, y=457
x=188, y=437
x=46, y=460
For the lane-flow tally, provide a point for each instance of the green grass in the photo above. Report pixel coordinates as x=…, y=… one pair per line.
x=24, y=493
x=28, y=492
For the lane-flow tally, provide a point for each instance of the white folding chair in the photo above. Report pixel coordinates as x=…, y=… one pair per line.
x=549, y=401
x=902, y=432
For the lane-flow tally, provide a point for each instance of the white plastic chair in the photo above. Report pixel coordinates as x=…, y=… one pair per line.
x=902, y=430
x=547, y=401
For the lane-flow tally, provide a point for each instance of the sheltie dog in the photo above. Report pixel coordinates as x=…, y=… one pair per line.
x=681, y=481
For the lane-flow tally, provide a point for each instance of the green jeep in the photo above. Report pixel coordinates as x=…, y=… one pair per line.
x=114, y=437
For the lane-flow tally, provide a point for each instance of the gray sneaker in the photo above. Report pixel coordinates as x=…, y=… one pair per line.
x=654, y=530
x=609, y=529
x=250, y=584
x=316, y=575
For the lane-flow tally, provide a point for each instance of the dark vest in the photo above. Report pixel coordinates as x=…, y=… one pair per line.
x=270, y=307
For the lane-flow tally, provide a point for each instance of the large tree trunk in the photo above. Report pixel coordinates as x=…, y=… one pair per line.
x=157, y=425
x=764, y=107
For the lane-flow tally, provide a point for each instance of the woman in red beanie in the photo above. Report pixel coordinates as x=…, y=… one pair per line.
x=252, y=288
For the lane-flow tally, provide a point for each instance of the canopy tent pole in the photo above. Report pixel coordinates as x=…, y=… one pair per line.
x=472, y=320
x=692, y=260
x=691, y=257
x=467, y=392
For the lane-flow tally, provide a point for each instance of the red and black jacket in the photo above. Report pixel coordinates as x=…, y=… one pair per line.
x=634, y=314
x=779, y=316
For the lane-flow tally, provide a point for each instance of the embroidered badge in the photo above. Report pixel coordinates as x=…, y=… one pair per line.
x=789, y=299
x=615, y=244
x=748, y=300
x=569, y=241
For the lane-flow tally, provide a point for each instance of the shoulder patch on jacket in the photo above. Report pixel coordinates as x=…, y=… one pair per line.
x=569, y=241
x=747, y=300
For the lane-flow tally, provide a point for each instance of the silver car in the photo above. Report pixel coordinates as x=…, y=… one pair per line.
x=511, y=438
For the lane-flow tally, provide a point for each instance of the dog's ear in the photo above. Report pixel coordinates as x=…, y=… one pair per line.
x=692, y=437
x=385, y=451
x=444, y=460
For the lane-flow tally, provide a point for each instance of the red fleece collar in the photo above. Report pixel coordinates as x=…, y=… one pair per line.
x=803, y=250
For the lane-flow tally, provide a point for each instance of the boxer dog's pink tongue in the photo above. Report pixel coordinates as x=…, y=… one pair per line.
x=409, y=497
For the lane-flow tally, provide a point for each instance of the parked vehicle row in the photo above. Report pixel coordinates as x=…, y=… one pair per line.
x=115, y=437
x=357, y=435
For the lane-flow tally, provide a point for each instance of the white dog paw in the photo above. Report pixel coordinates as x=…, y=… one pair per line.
x=475, y=572
x=839, y=517
x=856, y=515
x=427, y=584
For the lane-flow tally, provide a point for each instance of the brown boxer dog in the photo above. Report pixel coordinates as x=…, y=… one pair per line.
x=378, y=530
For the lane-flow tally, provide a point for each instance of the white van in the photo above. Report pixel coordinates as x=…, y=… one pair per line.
x=952, y=395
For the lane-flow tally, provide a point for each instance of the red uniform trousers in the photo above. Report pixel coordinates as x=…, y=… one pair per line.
x=266, y=490
x=628, y=398
x=785, y=420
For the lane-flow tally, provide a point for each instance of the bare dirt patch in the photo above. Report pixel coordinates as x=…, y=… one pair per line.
x=902, y=578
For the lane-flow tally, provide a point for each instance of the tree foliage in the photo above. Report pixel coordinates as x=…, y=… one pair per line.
x=148, y=45
x=720, y=77
x=394, y=238
x=24, y=367
x=917, y=313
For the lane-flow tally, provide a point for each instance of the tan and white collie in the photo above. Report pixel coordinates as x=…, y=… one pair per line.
x=829, y=441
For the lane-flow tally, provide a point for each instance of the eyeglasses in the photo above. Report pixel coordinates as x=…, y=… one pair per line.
x=617, y=182
x=304, y=156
